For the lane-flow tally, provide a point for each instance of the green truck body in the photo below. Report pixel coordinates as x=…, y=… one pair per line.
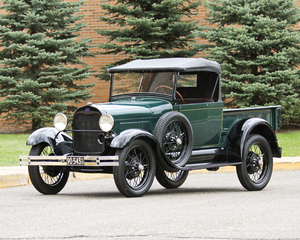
x=164, y=118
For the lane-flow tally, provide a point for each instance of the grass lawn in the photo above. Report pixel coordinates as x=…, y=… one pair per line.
x=290, y=143
x=13, y=145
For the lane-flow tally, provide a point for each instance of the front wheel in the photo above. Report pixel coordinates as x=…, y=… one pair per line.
x=46, y=179
x=135, y=173
x=256, y=169
x=171, y=179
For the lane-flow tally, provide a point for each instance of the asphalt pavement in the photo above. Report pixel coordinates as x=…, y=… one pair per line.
x=18, y=175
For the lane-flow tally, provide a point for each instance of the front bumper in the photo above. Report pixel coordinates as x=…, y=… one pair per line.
x=70, y=161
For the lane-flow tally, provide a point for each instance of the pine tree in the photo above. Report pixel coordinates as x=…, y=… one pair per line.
x=259, y=49
x=149, y=29
x=41, y=60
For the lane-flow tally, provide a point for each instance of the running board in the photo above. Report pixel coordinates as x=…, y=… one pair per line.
x=196, y=166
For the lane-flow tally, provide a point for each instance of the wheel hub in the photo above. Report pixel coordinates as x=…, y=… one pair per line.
x=172, y=137
x=141, y=167
x=134, y=168
x=51, y=171
x=255, y=162
x=178, y=141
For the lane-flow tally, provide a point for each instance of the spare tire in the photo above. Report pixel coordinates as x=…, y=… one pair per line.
x=174, y=133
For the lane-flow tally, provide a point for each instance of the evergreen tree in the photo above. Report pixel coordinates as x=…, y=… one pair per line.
x=40, y=65
x=149, y=29
x=259, y=49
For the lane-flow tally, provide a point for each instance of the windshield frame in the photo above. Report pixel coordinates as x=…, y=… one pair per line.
x=171, y=96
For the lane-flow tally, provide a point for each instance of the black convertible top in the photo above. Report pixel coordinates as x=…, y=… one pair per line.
x=167, y=65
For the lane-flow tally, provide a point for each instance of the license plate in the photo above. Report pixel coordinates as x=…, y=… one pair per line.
x=75, y=161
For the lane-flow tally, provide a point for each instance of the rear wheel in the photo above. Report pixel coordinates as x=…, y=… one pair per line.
x=171, y=179
x=256, y=169
x=135, y=173
x=46, y=179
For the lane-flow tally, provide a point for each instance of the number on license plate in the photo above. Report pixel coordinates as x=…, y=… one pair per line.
x=77, y=161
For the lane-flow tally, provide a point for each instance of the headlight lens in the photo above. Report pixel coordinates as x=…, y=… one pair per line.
x=60, y=121
x=106, y=122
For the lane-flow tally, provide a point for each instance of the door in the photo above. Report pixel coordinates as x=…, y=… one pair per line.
x=201, y=104
x=206, y=121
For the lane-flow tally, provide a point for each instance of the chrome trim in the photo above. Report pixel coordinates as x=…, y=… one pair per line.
x=204, y=152
x=90, y=161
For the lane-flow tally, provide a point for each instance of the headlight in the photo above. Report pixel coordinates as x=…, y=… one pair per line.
x=106, y=122
x=60, y=121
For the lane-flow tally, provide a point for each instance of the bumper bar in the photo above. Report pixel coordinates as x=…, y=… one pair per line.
x=89, y=161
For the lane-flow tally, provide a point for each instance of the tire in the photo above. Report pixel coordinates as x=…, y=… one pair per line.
x=175, y=135
x=46, y=179
x=135, y=173
x=256, y=169
x=171, y=179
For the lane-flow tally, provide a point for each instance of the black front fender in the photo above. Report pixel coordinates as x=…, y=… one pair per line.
x=126, y=136
x=56, y=140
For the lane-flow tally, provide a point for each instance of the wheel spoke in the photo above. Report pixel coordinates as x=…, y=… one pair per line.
x=172, y=148
x=174, y=175
x=134, y=175
x=256, y=163
x=49, y=179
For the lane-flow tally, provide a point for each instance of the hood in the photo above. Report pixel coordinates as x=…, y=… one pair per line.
x=134, y=107
x=134, y=112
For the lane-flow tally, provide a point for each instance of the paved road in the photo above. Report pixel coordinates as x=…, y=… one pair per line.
x=18, y=175
x=208, y=206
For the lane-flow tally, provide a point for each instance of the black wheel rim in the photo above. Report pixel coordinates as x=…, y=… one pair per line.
x=174, y=141
x=50, y=175
x=174, y=176
x=137, y=166
x=257, y=160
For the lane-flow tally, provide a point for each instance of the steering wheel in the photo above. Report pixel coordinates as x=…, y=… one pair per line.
x=164, y=86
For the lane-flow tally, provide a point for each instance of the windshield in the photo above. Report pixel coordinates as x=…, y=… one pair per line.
x=159, y=82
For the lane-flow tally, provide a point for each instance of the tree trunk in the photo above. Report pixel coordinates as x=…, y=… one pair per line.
x=36, y=123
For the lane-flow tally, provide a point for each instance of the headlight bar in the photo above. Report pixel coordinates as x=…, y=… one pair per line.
x=96, y=161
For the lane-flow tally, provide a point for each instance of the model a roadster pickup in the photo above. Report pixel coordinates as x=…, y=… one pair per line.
x=164, y=118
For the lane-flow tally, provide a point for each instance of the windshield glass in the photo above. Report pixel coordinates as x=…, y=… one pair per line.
x=160, y=82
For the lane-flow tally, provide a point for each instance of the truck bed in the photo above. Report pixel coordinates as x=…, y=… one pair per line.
x=268, y=113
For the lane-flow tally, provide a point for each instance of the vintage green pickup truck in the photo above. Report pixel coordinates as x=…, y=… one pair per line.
x=164, y=118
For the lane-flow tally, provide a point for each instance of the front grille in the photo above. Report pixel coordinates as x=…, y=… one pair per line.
x=86, y=121
x=86, y=132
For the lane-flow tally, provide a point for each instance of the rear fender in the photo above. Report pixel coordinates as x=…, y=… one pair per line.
x=123, y=139
x=60, y=142
x=263, y=128
x=241, y=131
